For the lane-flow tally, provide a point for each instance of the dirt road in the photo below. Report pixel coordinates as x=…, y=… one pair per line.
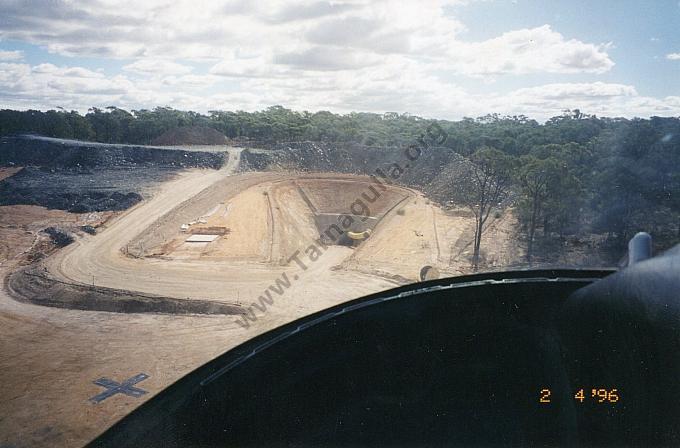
x=99, y=259
x=8, y=172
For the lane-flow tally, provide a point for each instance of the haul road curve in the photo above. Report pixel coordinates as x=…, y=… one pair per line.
x=100, y=260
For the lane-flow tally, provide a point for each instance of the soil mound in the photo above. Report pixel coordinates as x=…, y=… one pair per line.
x=34, y=285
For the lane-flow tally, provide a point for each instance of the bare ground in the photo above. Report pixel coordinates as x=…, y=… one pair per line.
x=8, y=172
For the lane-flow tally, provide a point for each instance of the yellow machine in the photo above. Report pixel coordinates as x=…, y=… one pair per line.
x=359, y=236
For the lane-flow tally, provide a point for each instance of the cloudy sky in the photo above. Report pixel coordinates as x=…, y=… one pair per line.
x=434, y=58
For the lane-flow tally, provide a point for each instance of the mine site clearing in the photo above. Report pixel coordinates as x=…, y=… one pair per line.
x=256, y=226
x=202, y=236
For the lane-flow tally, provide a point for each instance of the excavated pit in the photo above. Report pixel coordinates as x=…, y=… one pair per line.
x=268, y=221
x=344, y=205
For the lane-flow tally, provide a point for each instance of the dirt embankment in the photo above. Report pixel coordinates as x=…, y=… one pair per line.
x=84, y=177
x=428, y=171
x=35, y=285
x=80, y=191
x=27, y=150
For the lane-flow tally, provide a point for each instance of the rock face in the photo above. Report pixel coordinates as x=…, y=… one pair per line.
x=190, y=135
x=27, y=150
x=434, y=170
x=85, y=177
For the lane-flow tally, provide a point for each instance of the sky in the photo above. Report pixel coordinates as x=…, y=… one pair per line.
x=444, y=59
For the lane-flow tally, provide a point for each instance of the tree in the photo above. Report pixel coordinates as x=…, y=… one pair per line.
x=486, y=187
x=537, y=179
x=551, y=180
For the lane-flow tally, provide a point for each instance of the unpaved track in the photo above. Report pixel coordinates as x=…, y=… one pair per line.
x=49, y=358
x=99, y=260
x=8, y=172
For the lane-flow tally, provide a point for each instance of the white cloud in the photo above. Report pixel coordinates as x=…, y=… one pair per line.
x=11, y=76
x=580, y=91
x=673, y=56
x=525, y=51
x=325, y=58
x=189, y=81
x=296, y=11
x=11, y=55
x=374, y=34
x=602, y=99
x=157, y=67
x=71, y=72
x=47, y=85
x=238, y=66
